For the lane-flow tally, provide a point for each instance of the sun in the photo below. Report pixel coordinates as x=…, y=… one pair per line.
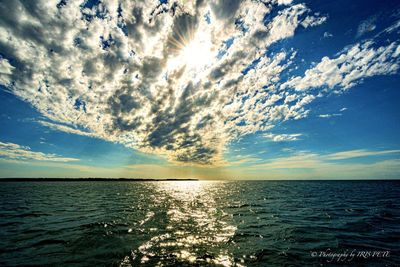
x=198, y=52
x=194, y=51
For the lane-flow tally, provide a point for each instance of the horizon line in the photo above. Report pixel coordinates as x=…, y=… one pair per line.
x=94, y=179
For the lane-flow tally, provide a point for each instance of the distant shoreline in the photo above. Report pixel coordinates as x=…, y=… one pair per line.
x=179, y=179
x=90, y=180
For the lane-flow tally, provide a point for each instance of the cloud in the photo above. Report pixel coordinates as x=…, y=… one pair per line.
x=5, y=71
x=395, y=26
x=15, y=152
x=314, y=160
x=366, y=26
x=311, y=21
x=333, y=114
x=358, y=154
x=282, y=137
x=241, y=160
x=117, y=70
x=120, y=70
x=292, y=162
x=283, y=2
x=330, y=115
x=308, y=165
x=328, y=35
x=349, y=68
x=65, y=128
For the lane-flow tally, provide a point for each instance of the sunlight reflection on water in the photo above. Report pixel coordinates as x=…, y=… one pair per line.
x=193, y=224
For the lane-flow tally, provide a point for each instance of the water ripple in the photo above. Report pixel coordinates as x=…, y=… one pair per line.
x=195, y=223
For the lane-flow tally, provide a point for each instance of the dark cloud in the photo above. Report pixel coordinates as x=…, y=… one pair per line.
x=225, y=9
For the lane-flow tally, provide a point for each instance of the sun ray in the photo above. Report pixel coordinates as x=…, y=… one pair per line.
x=190, y=47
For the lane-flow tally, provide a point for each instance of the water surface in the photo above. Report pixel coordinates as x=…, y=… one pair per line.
x=269, y=223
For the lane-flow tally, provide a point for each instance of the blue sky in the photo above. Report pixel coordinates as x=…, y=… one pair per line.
x=219, y=90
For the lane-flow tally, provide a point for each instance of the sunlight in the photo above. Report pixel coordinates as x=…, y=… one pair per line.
x=195, y=52
x=184, y=190
x=198, y=53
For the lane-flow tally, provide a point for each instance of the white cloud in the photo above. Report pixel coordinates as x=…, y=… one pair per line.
x=15, y=152
x=359, y=153
x=311, y=21
x=333, y=114
x=395, y=26
x=284, y=2
x=117, y=70
x=292, y=162
x=329, y=115
x=314, y=160
x=328, y=35
x=248, y=159
x=5, y=71
x=349, y=68
x=366, y=26
x=308, y=165
x=65, y=128
x=282, y=137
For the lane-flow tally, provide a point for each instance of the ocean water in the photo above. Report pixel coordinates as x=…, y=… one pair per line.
x=185, y=223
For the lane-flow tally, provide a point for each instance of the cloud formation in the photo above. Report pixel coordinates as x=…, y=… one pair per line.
x=366, y=26
x=359, y=154
x=282, y=137
x=349, y=68
x=308, y=165
x=15, y=152
x=180, y=79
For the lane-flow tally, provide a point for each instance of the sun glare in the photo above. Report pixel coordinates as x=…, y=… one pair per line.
x=197, y=53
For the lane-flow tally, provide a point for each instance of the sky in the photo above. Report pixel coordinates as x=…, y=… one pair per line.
x=220, y=89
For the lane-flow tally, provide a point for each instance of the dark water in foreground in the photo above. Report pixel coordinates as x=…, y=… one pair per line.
x=271, y=223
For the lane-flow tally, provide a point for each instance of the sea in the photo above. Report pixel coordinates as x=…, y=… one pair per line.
x=200, y=223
